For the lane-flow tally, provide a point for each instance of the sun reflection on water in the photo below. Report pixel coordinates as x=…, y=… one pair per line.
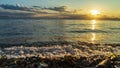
x=93, y=24
x=93, y=38
x=93, y=34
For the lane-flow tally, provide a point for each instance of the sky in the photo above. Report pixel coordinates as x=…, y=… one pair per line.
x=81, y=7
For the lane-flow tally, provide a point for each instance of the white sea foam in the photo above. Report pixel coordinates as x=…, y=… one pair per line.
x=58, y=51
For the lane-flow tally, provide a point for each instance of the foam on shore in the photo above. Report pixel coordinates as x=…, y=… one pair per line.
x=59, y=51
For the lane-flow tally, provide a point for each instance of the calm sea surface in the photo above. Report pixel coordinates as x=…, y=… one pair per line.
x=14, y=31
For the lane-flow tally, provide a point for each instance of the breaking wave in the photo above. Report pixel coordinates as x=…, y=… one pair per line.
x=78, y=50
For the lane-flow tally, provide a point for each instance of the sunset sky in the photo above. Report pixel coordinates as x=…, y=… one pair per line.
x=53, y=8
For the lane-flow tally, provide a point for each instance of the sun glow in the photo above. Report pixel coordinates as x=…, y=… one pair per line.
x=95, y=12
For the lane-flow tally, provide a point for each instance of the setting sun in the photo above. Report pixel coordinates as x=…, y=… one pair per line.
x=95, y=12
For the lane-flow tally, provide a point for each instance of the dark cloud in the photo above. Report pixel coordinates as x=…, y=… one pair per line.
x=18, y=11
x=35, y=9
x=36, y=6
x=60, y=9
x=13, y=7
x=15, y=14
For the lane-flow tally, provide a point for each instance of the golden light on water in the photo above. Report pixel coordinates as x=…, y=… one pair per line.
x=93, y=37
x=93, y=24
x=93, y=28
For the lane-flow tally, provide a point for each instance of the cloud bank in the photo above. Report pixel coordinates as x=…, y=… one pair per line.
x=59, y=12
x=20, y=11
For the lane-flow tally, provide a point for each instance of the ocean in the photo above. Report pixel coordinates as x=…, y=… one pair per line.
x=17, y=31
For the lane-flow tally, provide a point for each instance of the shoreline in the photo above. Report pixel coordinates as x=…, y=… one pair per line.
x=64, y=55
x=106, y=19
x=60, y=49
x=50, y=43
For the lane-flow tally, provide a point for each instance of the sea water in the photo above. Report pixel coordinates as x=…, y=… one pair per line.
x=15, y=31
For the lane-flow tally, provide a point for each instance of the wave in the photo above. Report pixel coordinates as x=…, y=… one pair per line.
x=13, y=34
x=78, y=50
x=88, y=31
x=76, y=24
x=114, y=28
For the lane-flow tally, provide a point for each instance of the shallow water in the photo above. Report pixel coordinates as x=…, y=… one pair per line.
x=15, y=31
